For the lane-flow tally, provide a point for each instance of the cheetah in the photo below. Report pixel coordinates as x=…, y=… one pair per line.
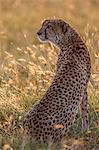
x=51, y=117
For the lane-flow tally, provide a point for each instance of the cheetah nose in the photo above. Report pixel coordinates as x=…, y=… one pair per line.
x=39, y=33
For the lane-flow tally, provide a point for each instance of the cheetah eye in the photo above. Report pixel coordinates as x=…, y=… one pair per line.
x=49, y=27
x=47, y=30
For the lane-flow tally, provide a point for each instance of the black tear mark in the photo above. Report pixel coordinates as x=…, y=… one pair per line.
x=64, y=29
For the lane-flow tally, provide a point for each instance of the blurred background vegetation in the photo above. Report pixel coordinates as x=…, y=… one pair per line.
x=27, y=66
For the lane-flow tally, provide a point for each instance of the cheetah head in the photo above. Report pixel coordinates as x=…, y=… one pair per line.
x=55, y=31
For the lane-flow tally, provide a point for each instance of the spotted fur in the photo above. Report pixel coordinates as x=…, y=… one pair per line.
x=51, y=117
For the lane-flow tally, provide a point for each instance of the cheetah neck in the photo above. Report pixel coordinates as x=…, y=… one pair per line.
x=70, y=50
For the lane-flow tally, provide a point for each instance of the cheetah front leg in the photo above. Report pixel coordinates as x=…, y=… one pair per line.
x=84, y=112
